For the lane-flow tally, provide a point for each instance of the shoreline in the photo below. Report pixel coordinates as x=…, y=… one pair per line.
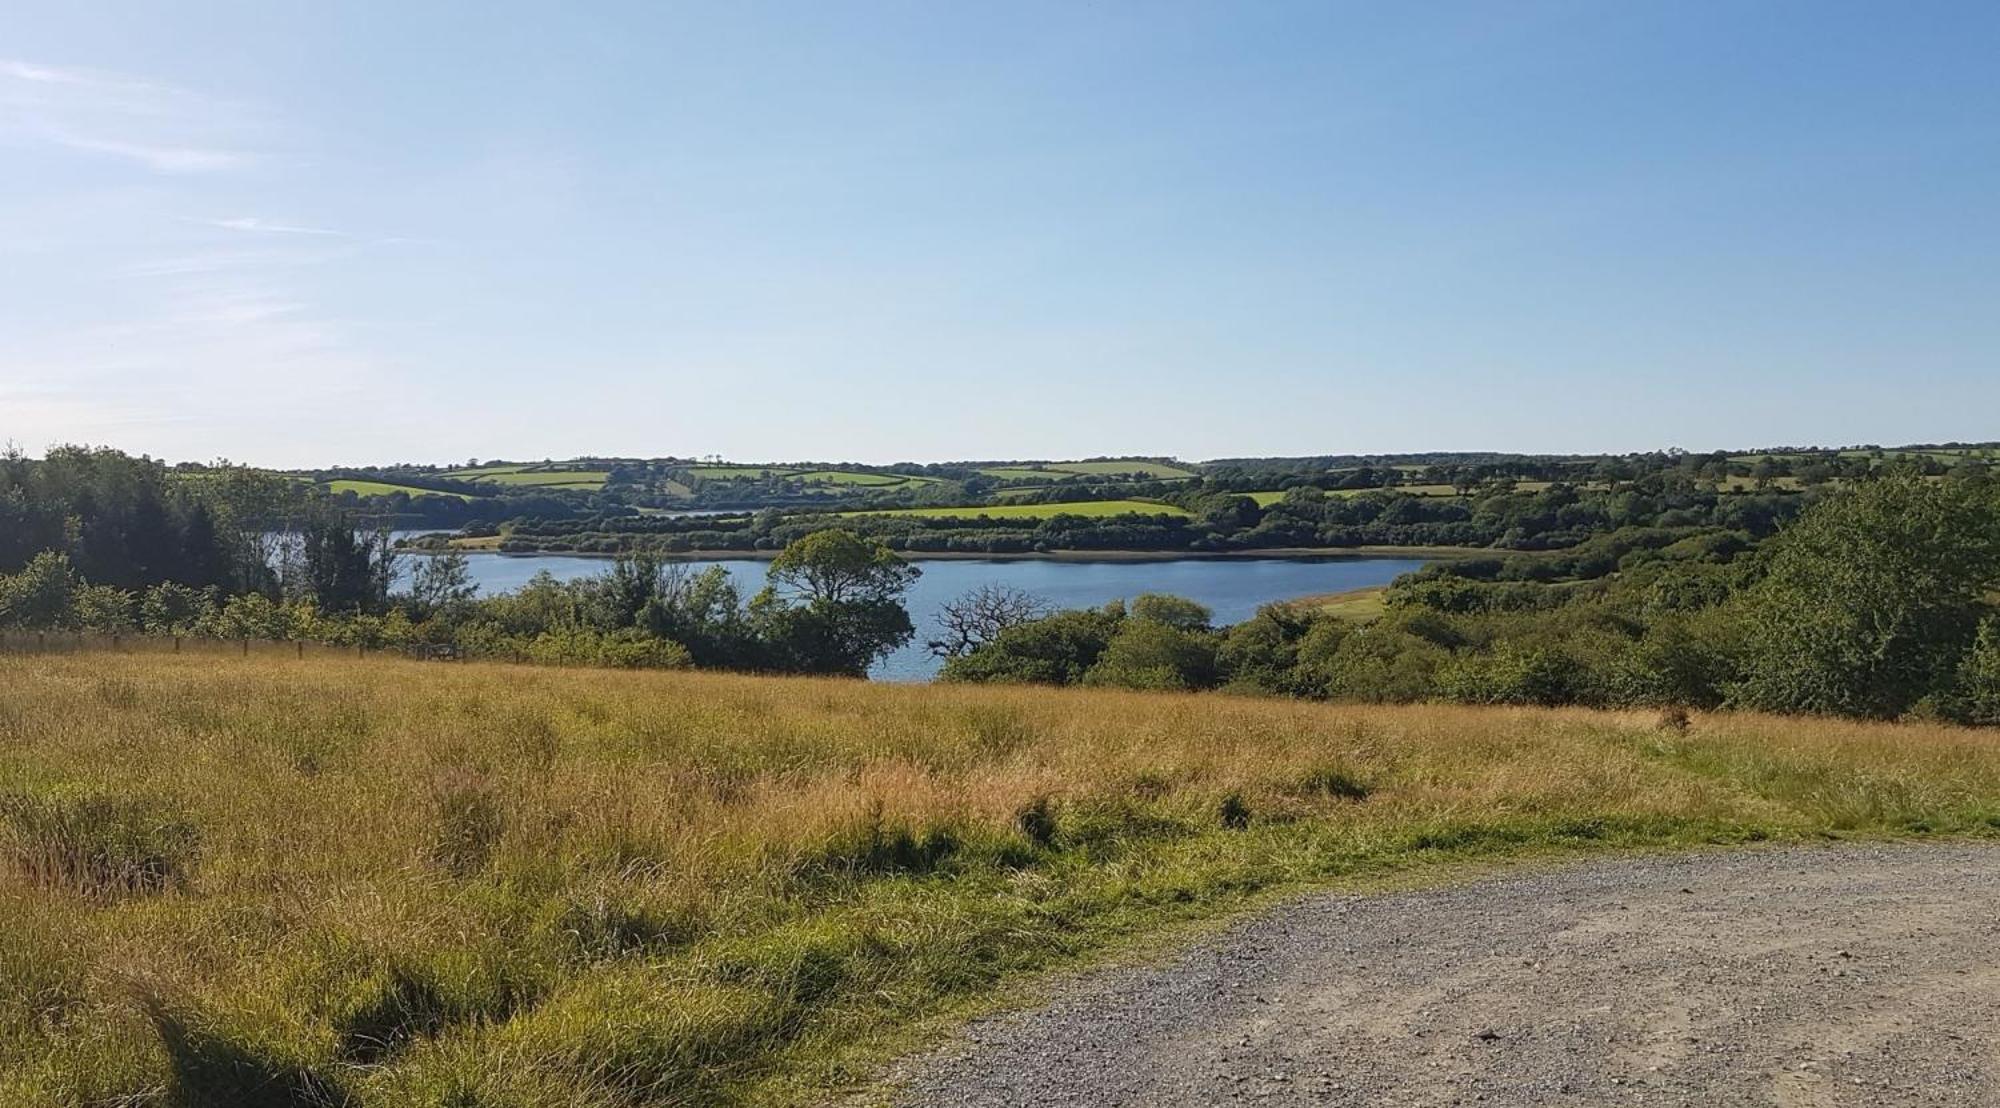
x=1291, y=553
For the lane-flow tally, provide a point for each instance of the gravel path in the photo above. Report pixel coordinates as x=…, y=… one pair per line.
x=1844, y=975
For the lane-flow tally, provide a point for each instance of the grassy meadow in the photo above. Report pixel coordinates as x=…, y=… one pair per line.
x=833, y=477
x=1055, y=471
x=535, y=476
x=1091, y=508
x=384, y=488
x=260, y=881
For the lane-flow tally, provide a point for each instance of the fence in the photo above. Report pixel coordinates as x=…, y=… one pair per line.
x=89, y=642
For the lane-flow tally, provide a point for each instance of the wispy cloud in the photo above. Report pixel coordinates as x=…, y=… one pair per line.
x=159, y=159
x=162, y=128
x=265, y=226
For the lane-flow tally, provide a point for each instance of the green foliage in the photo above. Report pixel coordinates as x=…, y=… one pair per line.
x=173, y=609
x=1174, y=611
x=1056, y=650
x=106, y=610
x=1149, y=654
x=42, y=597
x=1974, y=695
x=838, y=566
x=1870, y=600
x=833, y=604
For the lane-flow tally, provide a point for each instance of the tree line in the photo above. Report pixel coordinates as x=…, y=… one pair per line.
x=1878, y=602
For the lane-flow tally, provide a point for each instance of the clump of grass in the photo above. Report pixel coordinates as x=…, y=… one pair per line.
x=96, y=843
x=1234, y=811
x=1332, y=781
x=1037, y=820
x=470, y=821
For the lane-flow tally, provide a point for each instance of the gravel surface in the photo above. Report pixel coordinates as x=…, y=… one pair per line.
x=1841, y=975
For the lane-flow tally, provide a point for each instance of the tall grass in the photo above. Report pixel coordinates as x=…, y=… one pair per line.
x=267, y=881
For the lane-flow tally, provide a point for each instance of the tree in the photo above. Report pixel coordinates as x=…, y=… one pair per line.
x=442, y=582
x=1975, y=697
x=105, y=609
x=1150, y=654
x=704, y=613
x=172, y=609
x=1053, y=650
x=1870, y=599
x=979, y=616
x=834, y=604
x=837, y=567
x=343, y=570
x=1177, y=612
x=41, y=597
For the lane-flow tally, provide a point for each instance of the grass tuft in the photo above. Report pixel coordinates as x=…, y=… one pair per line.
x=96, y=844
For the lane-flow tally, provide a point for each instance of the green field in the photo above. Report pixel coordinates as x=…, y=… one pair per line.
x=535, y=476
x=383, y=488
x=1091, y=508
x=558, y=478
x=1056, y=471
x=738, y=473
x=1356, y=605
x=868, y=480
x=835, y=477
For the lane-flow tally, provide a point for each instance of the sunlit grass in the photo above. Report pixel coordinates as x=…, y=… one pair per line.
x=265, y=881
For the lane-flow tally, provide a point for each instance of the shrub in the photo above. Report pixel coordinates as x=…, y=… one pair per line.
x=1148, y=654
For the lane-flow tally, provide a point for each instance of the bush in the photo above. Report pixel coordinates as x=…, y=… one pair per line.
x=1148, y=654
x=1975, y=693
x=42, y=597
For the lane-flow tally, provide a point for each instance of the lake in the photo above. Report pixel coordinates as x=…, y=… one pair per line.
x=1232, y=588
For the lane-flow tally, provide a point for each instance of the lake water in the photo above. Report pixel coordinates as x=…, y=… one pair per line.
x=1232, y=588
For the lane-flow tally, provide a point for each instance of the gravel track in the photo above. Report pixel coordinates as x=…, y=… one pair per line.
x=1797, y=977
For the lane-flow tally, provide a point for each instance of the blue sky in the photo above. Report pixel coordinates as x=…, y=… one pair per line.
x=313, y=233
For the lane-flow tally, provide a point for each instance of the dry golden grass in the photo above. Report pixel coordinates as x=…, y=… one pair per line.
x=383, y=882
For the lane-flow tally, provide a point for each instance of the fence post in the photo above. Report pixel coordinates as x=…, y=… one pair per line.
x=177, y=644
x=114, y=643
x=246, y=648
x=301, y=645
x=41, y=641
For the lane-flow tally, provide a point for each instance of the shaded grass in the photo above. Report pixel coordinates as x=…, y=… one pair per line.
x=504, y=886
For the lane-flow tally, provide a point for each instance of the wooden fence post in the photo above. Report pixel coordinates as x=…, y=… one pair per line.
x=246, y=648
x=301, y=645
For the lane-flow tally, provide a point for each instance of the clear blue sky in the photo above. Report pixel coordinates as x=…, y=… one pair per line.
x=315, y=233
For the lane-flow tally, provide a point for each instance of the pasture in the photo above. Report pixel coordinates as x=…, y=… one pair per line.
x=545, y=476
x=384, y=488
x=1090, y=508
x=1055, y=471
x=836, y=478
x=267, y=881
